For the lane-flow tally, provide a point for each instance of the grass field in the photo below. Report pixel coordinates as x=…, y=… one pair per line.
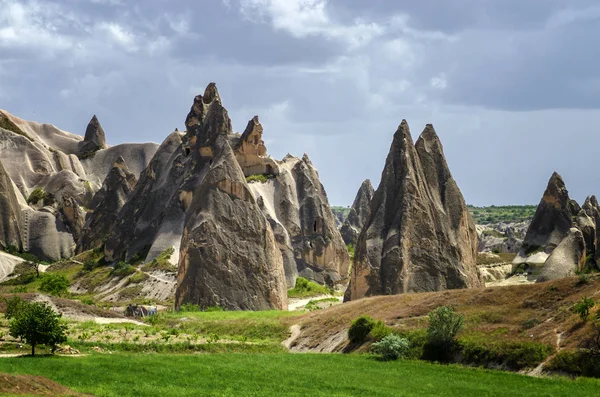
x=282, y=374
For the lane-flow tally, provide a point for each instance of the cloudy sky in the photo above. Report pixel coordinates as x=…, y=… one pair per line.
x=511, y=86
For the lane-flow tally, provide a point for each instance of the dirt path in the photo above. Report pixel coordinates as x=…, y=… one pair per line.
x=295, y=303
x=538, y=371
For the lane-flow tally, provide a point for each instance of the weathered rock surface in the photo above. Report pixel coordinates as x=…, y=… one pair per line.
x=229, y=256
x=359, y=213
x=10, y=213
x=7, y=264
x=41, y=156
x=106, y=204
x=94, y=138
x=552, y=220
x=420, y=235
x=501, y=237
x=566, y=259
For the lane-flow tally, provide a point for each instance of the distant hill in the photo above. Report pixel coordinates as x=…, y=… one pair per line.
x=504, y=213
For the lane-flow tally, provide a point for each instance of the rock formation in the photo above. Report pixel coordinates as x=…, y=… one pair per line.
x=106, y=204
x=10, y=213
x=288, y=193
x=359, y=213
x=502, y=237
x=229, y=256
x=566, y=259
x=550, y=225
x=94, y=139
x=44, y=159
x=420, y=235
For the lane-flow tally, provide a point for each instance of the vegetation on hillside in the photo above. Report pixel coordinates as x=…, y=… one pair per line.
x=340, y=212
x=262, y=178
x=6, y=124
x=503, y=213
x=306, y=289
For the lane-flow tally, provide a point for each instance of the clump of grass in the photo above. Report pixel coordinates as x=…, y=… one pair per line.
x=305, y=289
x=137, y=278
x=122, y=269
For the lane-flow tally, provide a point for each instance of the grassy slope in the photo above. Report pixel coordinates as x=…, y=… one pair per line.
x=282, y=374
x=501, y=312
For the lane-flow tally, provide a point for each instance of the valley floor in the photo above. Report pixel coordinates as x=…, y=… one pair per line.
x=281, y=374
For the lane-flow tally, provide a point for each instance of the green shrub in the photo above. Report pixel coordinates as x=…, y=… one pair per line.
x=391, y=347
x=305, y=288
x=360, y=329
x=122, y=269
x=530, y=323
x=39, y=194
x=351, y=250
x=137, y=278
x=583, y=278
x=515, y=355
x=262, y=178
x=583, y=307
x=379, y=331
x=55, y=284
x=444, y=325
x=575, y=362
x=161, y=262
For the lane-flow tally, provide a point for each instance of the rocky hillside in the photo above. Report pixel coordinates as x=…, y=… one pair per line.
x=239, y=225
x=562, y=237
x=417, y=200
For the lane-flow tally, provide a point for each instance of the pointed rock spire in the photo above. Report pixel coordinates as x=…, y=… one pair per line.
x=94, y=139
x=419, y=235
x=359, y=213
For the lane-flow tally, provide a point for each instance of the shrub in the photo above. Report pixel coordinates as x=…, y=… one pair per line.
x=583, y=307
x=583, y=278
x=262, y=178
x=351, y=250
x=515, y=355
x=391, y=347
x=137, y=278
x=161, y=262
x=444, y=325
x=579, y=363
x=530, y=323
x=122, y=269
x=55, y=284
x=305, y=288
x=379, y=331
x=38, y=324
x=360, y=329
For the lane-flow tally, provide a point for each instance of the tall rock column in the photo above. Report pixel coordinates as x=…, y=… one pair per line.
x=359, y=213
x=10, y=213
x=419, y=236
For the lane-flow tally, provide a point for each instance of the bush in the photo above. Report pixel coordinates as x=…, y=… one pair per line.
x=391, y=347
x=360, y=329
x=38, y=324
x=515, y=355
x=55, y=284
x=444, y=325
x=35, y=196
x=122, y=269
x=583, y=307
x=262, y=178
x=578, y=362
x=189, y=307
x=305, y=288
x=379, y=331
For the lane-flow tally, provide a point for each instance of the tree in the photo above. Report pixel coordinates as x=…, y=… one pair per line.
x=38, y=324
x=583, y=307
x=14, y=306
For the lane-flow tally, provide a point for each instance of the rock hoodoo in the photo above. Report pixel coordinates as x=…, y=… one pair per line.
x=359, y=213
x=419, y=235
x=94, y=138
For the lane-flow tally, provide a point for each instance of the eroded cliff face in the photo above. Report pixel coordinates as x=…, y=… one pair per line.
x=44, y=159
x=10, y=213
x=419, y=236
x=562, y=238
x=359, y=213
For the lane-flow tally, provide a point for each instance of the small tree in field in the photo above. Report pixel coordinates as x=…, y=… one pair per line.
x=55, y=284
x=38, y=324
x=444, y=325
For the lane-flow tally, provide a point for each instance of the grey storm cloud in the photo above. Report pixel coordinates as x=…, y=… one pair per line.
x=512, y=87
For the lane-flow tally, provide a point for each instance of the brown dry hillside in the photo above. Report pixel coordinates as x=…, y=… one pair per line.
x=32, y=386
x=536, y=312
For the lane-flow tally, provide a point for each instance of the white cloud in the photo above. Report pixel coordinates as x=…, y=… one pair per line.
x=439, y=82
x=303, y=18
